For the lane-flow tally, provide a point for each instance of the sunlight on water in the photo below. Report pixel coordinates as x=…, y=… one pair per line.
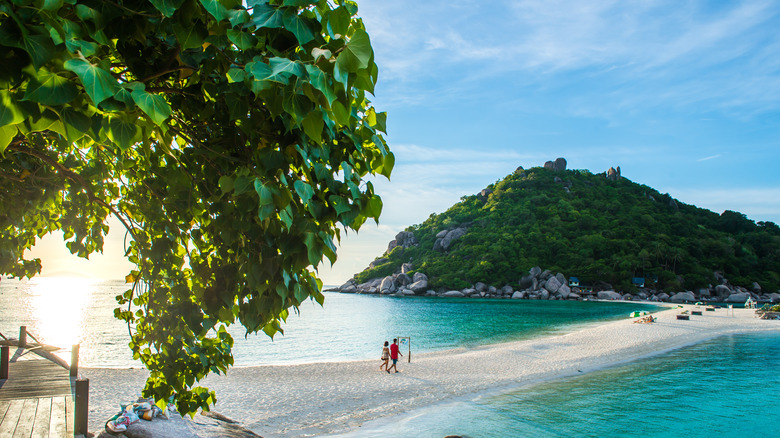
x=58, y=308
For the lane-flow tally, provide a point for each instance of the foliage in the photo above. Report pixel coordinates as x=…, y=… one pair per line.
x=587, y=226
x=231, y=140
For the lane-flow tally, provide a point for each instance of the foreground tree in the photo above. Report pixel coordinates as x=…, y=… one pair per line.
x=231, y=141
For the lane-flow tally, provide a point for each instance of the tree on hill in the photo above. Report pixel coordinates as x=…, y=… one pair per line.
x=590, y=227
x=230, y=139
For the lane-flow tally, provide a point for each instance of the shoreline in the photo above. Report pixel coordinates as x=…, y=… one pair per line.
x=338, y=397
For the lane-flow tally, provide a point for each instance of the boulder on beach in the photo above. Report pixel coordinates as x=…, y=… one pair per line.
x=453, y=293
x=419, y=286
x=683, y=297
x=739, y=297
x=419, y=276
x=722, y=291
x=663, y=296
x=609, y=295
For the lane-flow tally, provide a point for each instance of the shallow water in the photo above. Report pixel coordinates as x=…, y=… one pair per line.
x=726, y=386
x=63, y=312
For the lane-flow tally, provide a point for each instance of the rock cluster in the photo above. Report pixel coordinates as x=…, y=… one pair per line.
x=544, y=285
x=613, y=174
x=559, y=165
x=404, y=239
x=445, y=238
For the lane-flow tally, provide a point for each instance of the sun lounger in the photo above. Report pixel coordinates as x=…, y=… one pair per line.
x=682, y=316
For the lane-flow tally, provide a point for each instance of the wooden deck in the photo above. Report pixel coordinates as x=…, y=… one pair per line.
x=37, y=398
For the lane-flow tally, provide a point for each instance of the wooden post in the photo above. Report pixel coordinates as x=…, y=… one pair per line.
x=23, y=336
x=4, y=362
x=74, y=361
x=81, y=409
x=409, y=354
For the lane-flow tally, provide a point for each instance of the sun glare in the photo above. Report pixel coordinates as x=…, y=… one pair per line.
x=58, y=306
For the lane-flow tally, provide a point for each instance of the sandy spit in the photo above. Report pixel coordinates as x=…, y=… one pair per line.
x=324, y=398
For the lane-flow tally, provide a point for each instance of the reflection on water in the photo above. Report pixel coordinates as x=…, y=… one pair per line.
x=57, y=306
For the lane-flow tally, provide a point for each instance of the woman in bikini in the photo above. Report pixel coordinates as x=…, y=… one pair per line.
x=385, y=357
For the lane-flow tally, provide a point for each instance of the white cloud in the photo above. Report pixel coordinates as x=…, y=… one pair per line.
x=711, y=157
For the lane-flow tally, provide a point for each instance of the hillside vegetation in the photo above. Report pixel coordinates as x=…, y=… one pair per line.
x=589, y=226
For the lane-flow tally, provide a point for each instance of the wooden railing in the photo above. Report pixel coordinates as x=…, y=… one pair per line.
x=80, y=385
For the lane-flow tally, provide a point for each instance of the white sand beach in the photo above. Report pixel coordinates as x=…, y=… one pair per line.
x=323, y=398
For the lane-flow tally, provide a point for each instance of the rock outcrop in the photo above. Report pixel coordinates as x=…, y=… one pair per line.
x=444, y=242
x=404, y=239
x=614, y=174
x=559, y=165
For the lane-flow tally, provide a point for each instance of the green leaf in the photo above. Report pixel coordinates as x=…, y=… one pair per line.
x=298, y=26
x=98, y=83
x=51, y=5
x=319, y=80
x=387, y=165
x=242, y=184
x=340, y=113
x=341, y=206
x=11, y=112
x=7, y=134
x=153, y=105
x=299, y=2
x=236, y=75
x=122, y=132
x=40, y=48
x=265, y=15
x=167, y=7
x=264, y=192
x=50, y=89
x=215, y=8
x=277, y=70
x=226, y=184
x=286, y=216
x=314, y=251
x=85, y=47
x=238, y=17
x=313, y=125
x=190, y=36
x=238, y=106
x=375, y=206
x=76, y=124
x=356, y=54
x=338, y=21
x=304, y=191
x=242, y=40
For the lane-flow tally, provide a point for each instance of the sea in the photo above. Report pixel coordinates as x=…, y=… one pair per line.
x=726, y=386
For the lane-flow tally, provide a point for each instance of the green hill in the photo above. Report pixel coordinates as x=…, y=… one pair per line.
x=590, y=226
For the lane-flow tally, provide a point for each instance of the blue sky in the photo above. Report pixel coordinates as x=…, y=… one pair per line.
x=683, y=96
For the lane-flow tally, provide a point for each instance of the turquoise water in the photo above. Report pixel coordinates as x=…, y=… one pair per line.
x=725, y=387
x=63, y=312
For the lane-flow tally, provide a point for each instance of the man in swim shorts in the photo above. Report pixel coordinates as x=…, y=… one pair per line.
x=394, y=355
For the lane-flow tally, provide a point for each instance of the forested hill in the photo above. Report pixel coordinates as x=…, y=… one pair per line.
x=597, y=227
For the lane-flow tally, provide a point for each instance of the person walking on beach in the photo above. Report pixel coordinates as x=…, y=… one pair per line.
x=394, y=355
x=385, y=357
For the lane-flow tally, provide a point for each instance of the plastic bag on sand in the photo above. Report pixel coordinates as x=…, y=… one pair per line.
x=117, y=423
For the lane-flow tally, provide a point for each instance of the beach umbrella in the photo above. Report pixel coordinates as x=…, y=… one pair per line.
x=638, y=313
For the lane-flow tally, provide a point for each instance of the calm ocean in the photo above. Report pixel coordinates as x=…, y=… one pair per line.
x=723, y=387
x=63, y=312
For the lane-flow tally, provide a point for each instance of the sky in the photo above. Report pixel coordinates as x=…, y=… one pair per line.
x=683, y=96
